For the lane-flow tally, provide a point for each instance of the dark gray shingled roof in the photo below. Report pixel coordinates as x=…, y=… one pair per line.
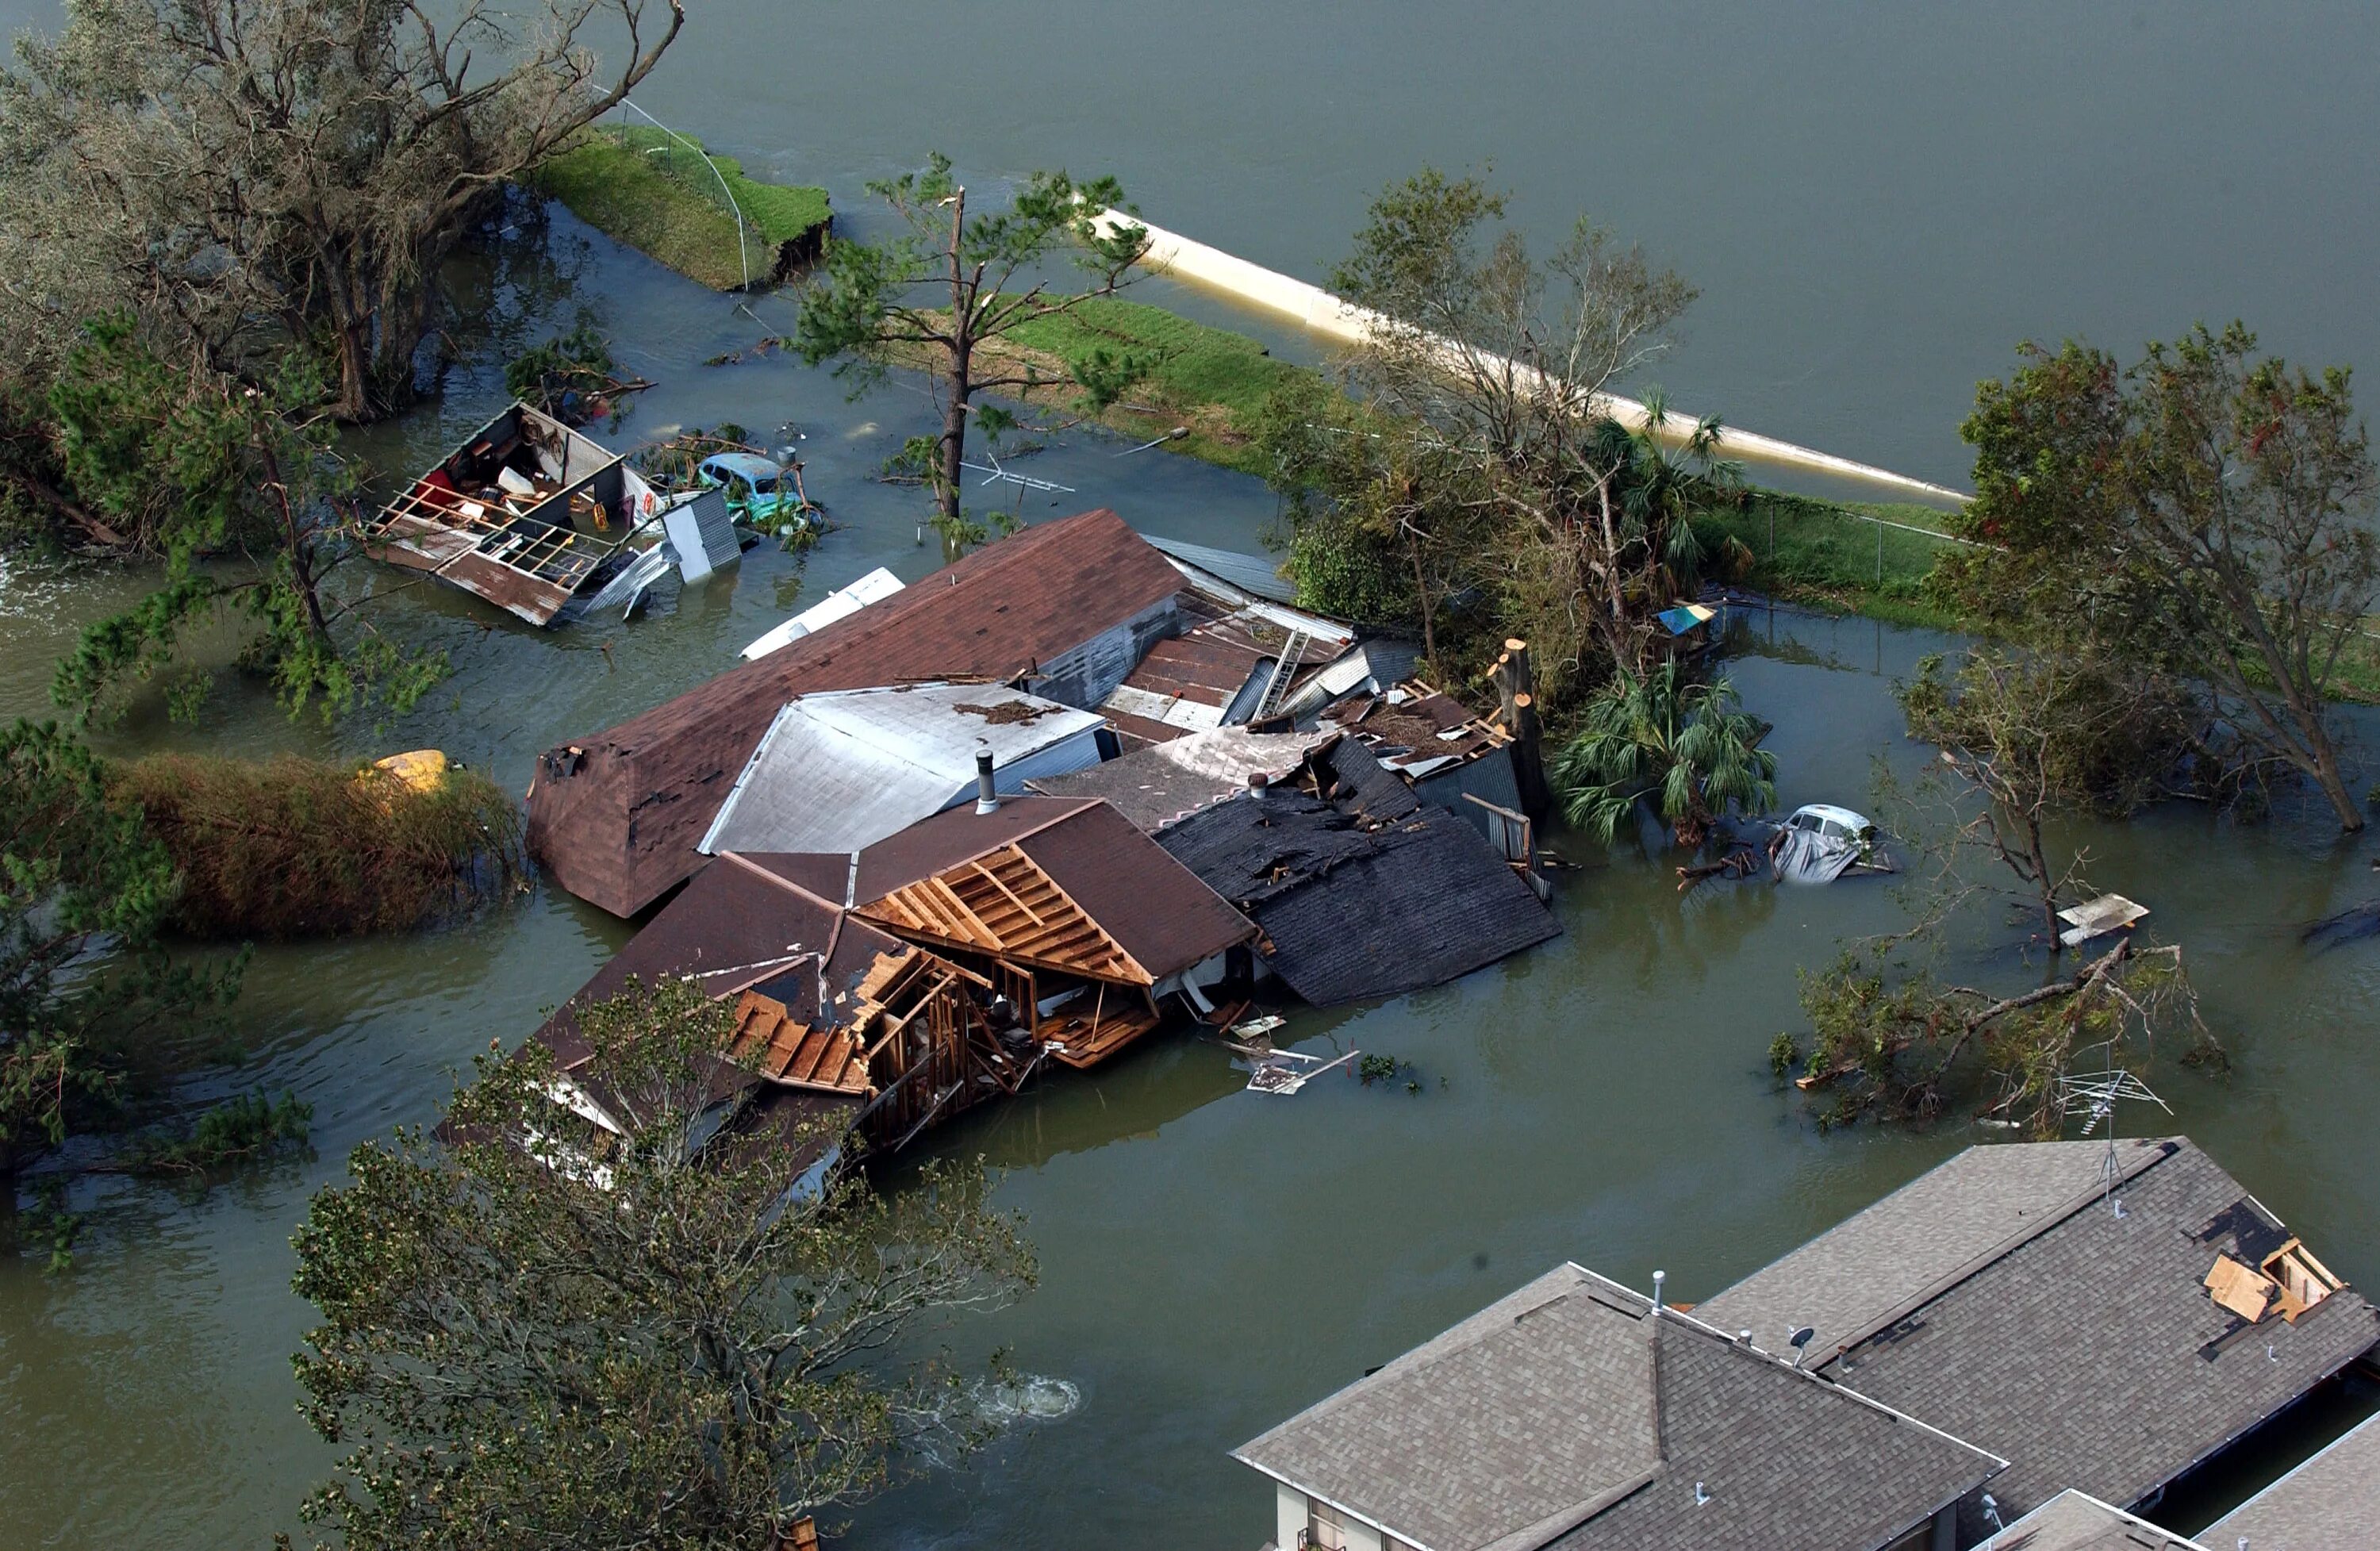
x=2074, y=1521
x=2081, y=1344
x=1564, y=1415
x=2330, y=1503
x=1350, y=912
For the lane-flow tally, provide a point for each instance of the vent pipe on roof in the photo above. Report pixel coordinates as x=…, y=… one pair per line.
x=985, y=801
x=1658, y=1278
x=1257, y=784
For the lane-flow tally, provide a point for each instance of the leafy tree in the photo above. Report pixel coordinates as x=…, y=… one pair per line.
x=548, y=1333
x=249, y=175
x=203, y=468
x=1501, y=364
x=2026, y=736
x=1686, y=747
x=2208, y=511
x=948, y=289
x=84, y=892
x=1386, y=520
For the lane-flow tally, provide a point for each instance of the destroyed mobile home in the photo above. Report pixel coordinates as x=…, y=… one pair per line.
x=547, y=524
x=926, y=772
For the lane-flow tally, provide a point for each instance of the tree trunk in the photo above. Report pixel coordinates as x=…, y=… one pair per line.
x=2328, y=776
x=954, y=437
x=1421, y=597
x=960, y=383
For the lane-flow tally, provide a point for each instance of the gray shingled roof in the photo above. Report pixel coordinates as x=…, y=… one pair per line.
x=2080, y=1343
x=2330, y=1503
x=1563, y=1415
x=2074, y=1521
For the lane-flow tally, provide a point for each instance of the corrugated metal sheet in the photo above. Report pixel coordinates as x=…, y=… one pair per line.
x=839, y=772
x=873, y=588
x=1250, y=573
x=615, y=816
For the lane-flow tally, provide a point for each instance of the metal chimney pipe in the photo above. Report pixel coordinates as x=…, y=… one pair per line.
x=1258, y=783
x=985, y=801
x=1658, y=1278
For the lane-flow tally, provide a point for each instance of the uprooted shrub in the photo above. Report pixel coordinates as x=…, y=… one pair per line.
x=291, y=848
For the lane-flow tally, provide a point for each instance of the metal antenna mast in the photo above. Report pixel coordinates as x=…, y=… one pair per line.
x=2095, y=1095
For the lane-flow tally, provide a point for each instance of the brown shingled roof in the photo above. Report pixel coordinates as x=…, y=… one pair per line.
x=1135, y=898
x=615, y=817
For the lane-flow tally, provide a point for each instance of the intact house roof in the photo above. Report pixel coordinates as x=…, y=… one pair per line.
x=2004, y=1297
x=2329, y=1503
x=2076, y=1521
x=1572, y=1414
x=1365, y=892
x=1059, y=883
x=1063, y=607
x=839, y=770
x=1163, y=782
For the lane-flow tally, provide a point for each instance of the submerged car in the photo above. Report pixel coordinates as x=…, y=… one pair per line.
x=1820, y=842
x=759, y=492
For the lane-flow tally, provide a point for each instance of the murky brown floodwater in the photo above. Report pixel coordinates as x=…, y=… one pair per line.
x=1877, y=205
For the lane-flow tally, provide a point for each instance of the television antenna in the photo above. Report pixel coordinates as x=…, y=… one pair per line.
x=1021, y=481
x=2094, y=1095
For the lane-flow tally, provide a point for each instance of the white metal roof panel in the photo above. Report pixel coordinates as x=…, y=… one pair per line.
x=839, y=772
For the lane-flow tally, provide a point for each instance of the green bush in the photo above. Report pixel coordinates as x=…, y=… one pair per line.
x=296, y=848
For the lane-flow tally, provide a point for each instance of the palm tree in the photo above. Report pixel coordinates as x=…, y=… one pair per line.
x=1660, y=487
x=1689, y=746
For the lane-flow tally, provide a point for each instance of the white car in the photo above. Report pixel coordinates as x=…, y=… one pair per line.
x=1820, y=842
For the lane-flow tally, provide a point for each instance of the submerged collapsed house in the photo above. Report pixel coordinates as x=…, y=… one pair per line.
x=526, y=513
x=880, y=991
x=1362, y=889
x=2082, y=1330
x=1069, y=611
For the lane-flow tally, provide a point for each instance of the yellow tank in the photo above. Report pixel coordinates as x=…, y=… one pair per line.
x=420, y=771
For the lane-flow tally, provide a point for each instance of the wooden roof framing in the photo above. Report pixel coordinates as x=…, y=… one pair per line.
x=1004, y=904
x=786, y=1049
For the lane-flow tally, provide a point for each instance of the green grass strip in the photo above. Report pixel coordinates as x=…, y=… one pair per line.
x=637, y=184
x=1211, y=379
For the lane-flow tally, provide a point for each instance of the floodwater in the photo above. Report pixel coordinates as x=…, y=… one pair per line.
x=1877, y=202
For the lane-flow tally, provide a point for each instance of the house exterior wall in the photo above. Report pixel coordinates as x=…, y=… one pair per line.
x=1088, y=675
x=1289, y=1516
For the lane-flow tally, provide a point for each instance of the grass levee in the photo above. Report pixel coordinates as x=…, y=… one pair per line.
x=647, y=188
x=1211, y=380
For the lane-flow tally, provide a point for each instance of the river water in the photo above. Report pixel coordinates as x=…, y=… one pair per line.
x=1877, y=203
